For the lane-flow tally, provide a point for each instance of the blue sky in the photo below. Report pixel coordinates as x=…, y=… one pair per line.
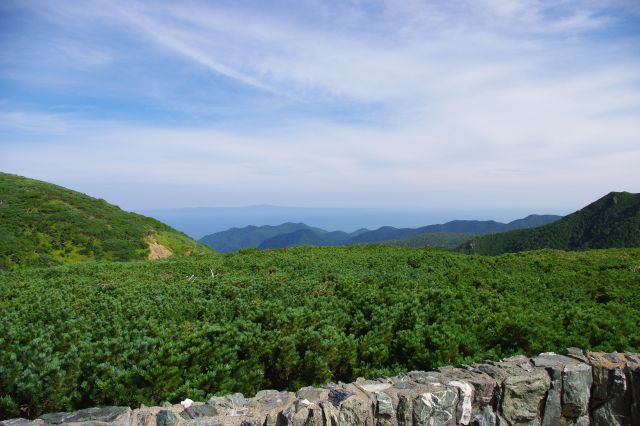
x=490, y=104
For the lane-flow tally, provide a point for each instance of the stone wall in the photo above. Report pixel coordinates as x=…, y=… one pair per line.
x=572, y=388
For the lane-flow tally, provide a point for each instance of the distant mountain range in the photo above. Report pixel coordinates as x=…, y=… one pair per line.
x=611, y=221
x=289, y=234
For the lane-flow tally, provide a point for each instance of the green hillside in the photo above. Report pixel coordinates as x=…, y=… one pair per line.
x=611, y=221
x=106, y=333
x=448, y=240
x=42, y=224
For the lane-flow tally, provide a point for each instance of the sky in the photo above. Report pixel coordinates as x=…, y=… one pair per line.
x=484, y=105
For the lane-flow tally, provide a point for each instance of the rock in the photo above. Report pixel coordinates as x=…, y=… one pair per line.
x=312, y=394
x=116, y=415
x=311, y=416
x=609, y=391
x=268, y=421
x=404, y=411
x=272, y=400
x=20, y=422
x=329, y=414
x=576, y=390
x=435, y=408
x=570, y=390
x=553, y=404
x=576, y=353
x=354, y=412
x=404, y=385
x=485, y=388
x=143, y=418
x=376, y=387
x=463, y=413
x=484, y=417
x=285, y=417
x=166, y=418
x=249, y=422
x=523, y=395
x=336, y=396
x=197, y=411
x=384, y=409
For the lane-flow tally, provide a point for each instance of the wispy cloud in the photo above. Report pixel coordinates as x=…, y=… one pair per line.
x=338, y=102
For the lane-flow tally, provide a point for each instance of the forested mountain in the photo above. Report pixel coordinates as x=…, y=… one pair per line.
x=235, y=239
x=448, y=240
x=611, y=221
x=388, y=233
x=42, y=224
x=294, y=234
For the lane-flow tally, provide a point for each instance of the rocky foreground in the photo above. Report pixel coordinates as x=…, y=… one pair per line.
x=573, y=388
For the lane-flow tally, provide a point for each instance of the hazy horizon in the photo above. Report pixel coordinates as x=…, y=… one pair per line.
x=200, y=221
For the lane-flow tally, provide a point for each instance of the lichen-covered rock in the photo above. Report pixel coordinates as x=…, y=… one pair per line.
x=576, y=390
x=404, y=411
x=111, y=415
x=523, y=396
x=166, y=418
x=355, y=412
x=484, y=417
x=435, y=408
x=568, y=397
x=608, y=404
x=573, y=389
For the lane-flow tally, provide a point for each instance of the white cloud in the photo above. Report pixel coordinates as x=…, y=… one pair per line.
x=501, y=101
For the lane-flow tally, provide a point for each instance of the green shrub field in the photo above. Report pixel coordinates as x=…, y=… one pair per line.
x=112, y=333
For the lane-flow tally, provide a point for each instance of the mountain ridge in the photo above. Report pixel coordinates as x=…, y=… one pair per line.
x=291, y=234
x=609, y=222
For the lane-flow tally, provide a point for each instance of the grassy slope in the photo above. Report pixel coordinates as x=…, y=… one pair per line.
x=43, y=224
x=103, y=333
x=611, y=221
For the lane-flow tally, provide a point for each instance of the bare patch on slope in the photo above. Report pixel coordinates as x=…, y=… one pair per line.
x=157, y=250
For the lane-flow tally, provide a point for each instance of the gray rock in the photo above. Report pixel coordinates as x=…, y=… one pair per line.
x=197, y=411
x=312, y=394
x=523, y=395
x=249, y=422
x=268, y=421
x=609, y=390
x=354, y=412
x=312, y=417
x=329, y=414
x=336, y=396
x=404, y=411
x=424, y=377
x=285, y=417
x=272, y=400
x=576, y=390
x=204, y=421
x=576, y=353
x=20, y=422
x=404, y=385
x=553, y=403
x=166, y=418
x=484, y=417
x=385, y=413
x=435, y=408
x=106, y=415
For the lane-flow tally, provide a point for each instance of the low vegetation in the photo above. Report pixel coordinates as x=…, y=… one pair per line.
x=106, y=333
